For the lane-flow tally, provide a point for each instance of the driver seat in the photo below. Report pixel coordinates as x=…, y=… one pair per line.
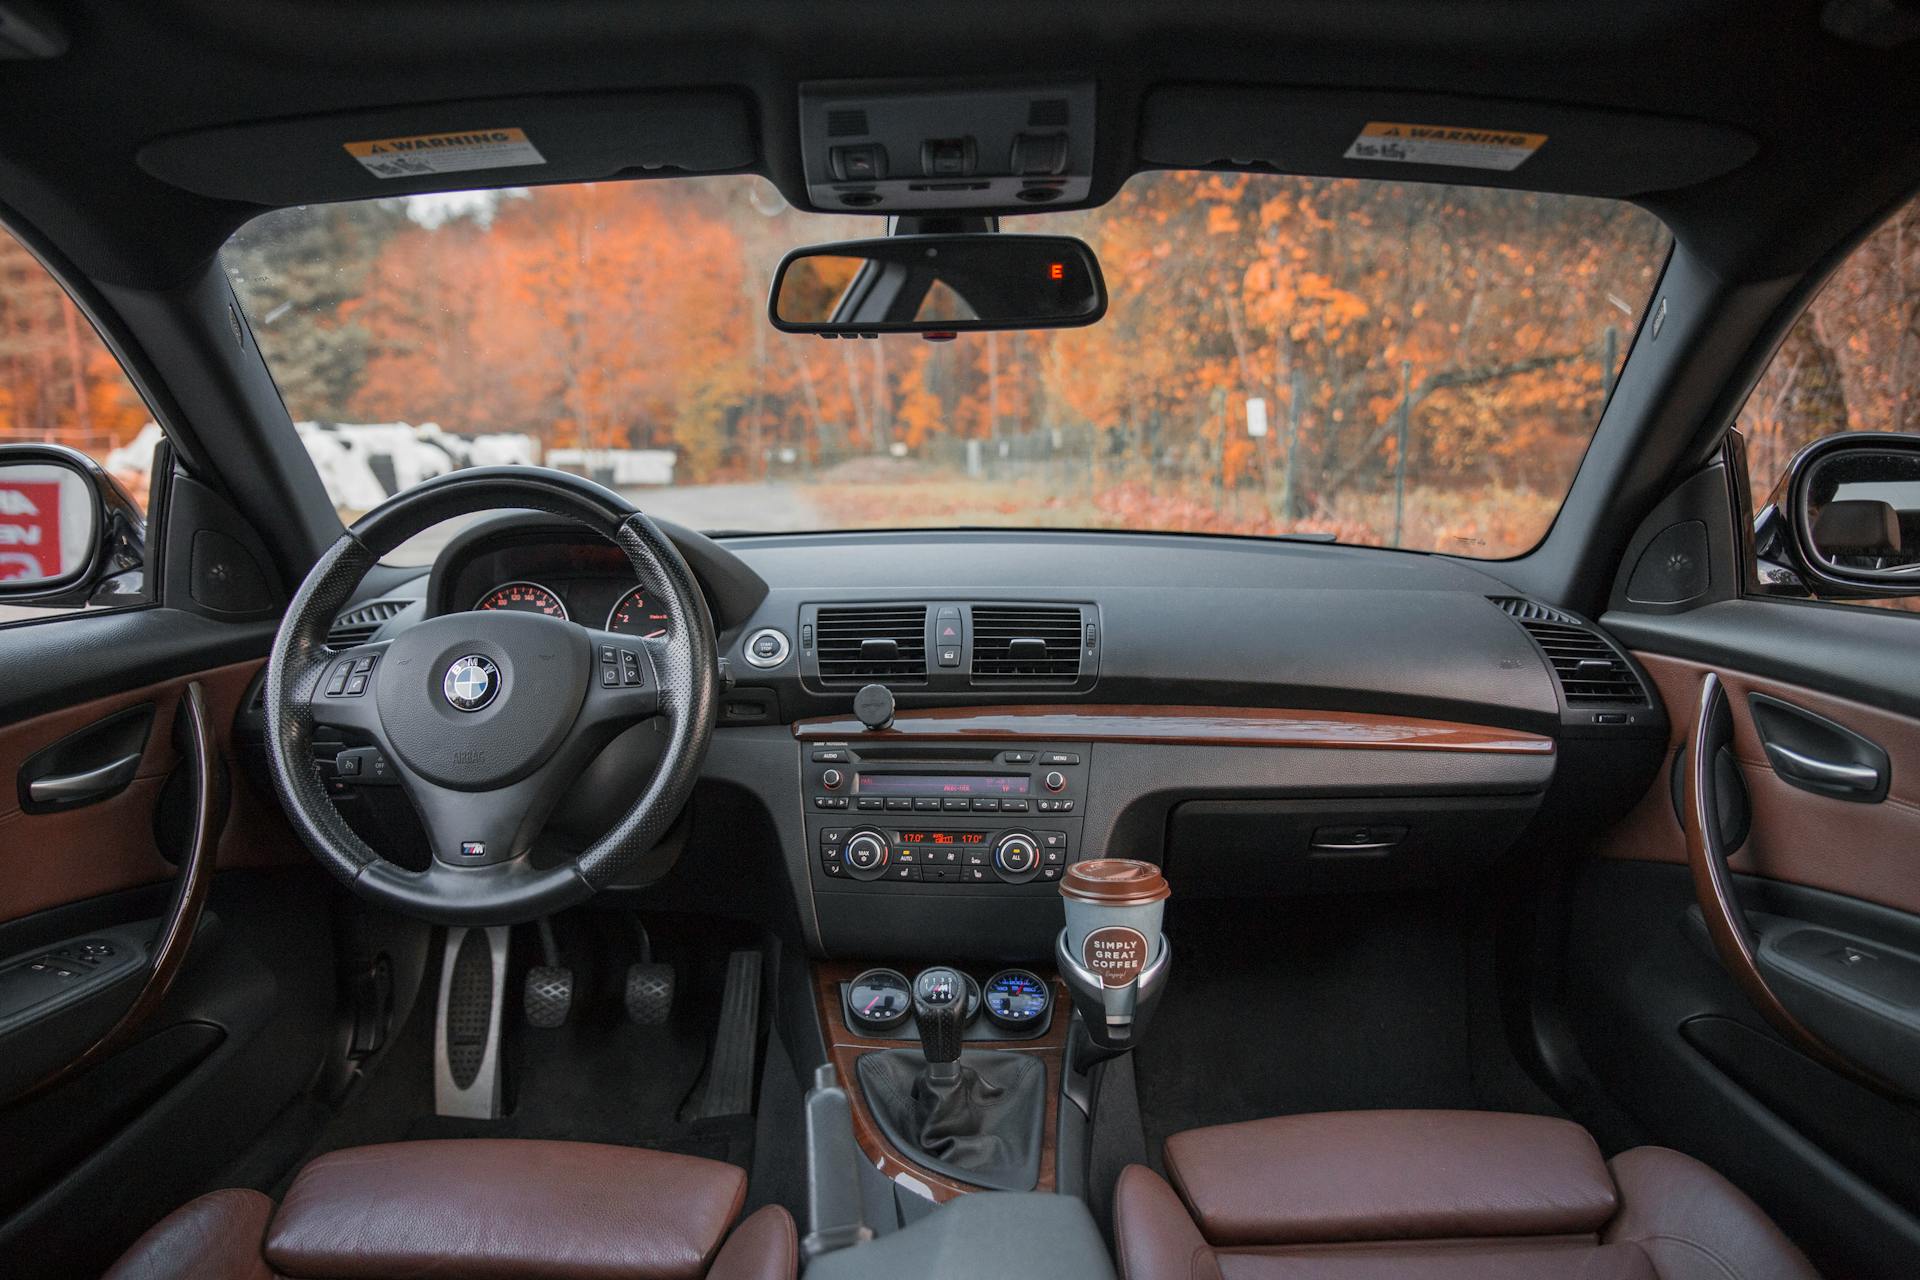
x=478, y=1209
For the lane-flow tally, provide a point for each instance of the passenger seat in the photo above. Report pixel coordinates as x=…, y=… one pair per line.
x=1436, y=1195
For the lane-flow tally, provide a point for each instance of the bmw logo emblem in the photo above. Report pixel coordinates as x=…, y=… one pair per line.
x=471, y=683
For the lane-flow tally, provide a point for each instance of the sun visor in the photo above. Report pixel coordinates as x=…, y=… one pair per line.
x=492, y=143
x=1435, y=138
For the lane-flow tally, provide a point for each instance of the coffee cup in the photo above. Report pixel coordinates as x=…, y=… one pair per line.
x=1114, y=906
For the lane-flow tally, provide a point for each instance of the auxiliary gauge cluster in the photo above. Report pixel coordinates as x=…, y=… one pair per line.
x=1016, y=1003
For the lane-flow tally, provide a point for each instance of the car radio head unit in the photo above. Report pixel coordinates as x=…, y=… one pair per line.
x=943, y=784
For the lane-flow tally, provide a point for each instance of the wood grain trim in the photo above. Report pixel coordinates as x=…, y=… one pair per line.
x=175, y=939
x=1713, y=888
x=846, y=1046
x=51, y=859
x=1186, y=726
x=1865, y=851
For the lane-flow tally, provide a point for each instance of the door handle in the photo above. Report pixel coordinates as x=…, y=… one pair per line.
x=1822, y=773
x=93, y=784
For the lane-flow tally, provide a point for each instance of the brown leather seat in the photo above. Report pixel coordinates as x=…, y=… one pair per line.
x=1436, y=1195
x=478, y=1209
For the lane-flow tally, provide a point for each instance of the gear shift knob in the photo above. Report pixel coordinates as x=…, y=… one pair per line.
x=940, y=1011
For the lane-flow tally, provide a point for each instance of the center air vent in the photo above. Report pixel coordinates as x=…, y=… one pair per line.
x=357, y=626
x=1590, y=670
x=1026, y=645
x=865, y=644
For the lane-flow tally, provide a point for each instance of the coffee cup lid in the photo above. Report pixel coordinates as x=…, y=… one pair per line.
x=1115, y=882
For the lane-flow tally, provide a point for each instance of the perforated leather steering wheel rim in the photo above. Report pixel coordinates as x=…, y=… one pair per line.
x=684, y=664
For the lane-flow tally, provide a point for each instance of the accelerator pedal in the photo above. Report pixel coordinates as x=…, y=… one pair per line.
x=466, y=1040
x=729, y=1088
x=548, y=994
x=649, y=991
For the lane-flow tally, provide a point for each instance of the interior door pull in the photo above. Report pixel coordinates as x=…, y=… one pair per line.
x=1822, y=773
x=72, y=788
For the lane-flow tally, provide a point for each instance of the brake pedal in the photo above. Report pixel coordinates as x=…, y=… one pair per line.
x=649, y=991
x=548, y=995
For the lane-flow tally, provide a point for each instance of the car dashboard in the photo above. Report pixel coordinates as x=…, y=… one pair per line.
x=1260, y=717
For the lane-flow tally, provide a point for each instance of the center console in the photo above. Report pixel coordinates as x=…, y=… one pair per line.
x=944, y=818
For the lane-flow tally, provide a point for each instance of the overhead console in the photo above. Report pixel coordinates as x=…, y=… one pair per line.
x=881, y=149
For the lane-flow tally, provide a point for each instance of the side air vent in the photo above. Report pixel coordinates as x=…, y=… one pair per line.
x=357, y=626
x=1026, y=645
x=847, y=122
x=865, y=644
x=1590, y=670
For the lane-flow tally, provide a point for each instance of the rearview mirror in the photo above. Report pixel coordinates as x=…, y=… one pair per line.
x=938, y=284
x=1851, y=506
x=50, y=520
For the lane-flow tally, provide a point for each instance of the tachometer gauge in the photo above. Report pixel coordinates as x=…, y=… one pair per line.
x=638, y=615
x=523, y=597
x=1016, y=999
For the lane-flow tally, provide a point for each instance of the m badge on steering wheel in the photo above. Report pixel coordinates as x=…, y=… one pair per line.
x=471, y=683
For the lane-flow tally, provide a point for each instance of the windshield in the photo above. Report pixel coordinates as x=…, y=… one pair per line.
x=1385, y=363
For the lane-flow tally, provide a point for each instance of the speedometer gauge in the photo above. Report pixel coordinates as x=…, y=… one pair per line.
x=523, y=597
x=638, y=615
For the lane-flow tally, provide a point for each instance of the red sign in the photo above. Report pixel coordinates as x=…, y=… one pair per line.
x=29, y=530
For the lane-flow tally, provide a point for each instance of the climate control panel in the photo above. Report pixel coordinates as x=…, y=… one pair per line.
x=923, y=856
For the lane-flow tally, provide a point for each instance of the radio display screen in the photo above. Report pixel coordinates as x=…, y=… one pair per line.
x=947, y=784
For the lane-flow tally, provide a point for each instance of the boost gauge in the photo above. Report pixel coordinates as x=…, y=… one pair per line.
x=523, y=597
x=1016, y=999
x=878, y=1001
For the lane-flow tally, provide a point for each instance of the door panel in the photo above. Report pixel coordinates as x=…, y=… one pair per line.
x=1657, y=1015
x=1866, y=851
x=49, y=859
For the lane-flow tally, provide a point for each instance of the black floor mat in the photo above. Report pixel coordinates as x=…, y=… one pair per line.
x=598, y=1078
x=1282, y=1007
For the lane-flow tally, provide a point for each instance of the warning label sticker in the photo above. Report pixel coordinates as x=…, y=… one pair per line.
x=431, y=153
x=1442, y=144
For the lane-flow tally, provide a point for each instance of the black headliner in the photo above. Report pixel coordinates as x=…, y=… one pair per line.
x=1833, y=120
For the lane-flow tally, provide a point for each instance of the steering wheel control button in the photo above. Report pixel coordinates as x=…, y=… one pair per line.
x=471, y=683
x=766, y=648
x=630, y=667
x=337, y=685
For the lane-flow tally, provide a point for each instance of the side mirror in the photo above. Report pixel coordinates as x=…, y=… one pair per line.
x=65, y=527
x=1846, y=517
x=938, y=284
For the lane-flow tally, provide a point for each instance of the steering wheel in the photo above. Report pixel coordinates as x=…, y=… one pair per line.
x=488, y=717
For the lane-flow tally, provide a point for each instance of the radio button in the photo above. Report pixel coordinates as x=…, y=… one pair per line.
x=871, y=802
x=832, y=778
x=1056, y=781
x=1016, y=757
x=925, y=803
x=1059, y=757
x=985, y=804
x=829, y=802
x=952, y=803
x=1013, y=806
x=899, y=802
x=830, y=755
